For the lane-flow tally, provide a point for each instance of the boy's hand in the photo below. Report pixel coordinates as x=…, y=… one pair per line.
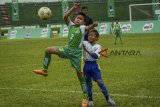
x=66, y=15
x=91, y=26
x=76, y=6
x=95, y=24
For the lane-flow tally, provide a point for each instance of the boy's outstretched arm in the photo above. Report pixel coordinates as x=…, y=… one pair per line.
x=92, y=26
x=66, y=15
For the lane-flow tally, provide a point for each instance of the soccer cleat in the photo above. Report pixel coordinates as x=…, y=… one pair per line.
x=111, y=102
x=85, y=102
x=91, y=104
x=41, y=72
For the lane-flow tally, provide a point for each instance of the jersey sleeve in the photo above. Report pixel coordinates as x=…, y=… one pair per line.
x=97, y=50
x=85, y=43
x=83, y=27
x=120, y=25
x=70, y=23
x=114, y=24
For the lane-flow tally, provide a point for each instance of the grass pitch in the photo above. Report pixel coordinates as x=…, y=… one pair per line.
x=132, y=80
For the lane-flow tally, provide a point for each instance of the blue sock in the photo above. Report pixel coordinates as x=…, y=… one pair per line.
x=104, y=90
x=89, y=85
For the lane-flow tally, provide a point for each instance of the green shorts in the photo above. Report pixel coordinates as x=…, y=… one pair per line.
x=118, y=33
x=73, y=54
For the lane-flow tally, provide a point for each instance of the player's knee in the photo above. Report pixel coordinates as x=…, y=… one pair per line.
x=99, y=81
x=80, y=74
x=51, y=50
x=47, y=49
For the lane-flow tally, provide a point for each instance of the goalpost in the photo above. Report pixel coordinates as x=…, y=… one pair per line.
x=133, y=5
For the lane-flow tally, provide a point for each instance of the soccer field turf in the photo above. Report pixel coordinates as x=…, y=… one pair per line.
x=132, y=80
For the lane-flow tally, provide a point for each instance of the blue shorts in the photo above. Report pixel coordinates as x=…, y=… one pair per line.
x=91, y=70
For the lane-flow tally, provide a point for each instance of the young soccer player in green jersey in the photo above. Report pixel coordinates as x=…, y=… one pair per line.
x=117, y=31
x=73, y=51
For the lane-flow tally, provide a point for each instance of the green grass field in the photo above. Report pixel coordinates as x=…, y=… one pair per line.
x=132, y=81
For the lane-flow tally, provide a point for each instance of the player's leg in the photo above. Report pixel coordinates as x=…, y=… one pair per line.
x=76, y=59
x=58, y=50
x=105, y=92
x=46, y=60
x=47, y=57
x=115, y=39
x=83, y=84
x=89, y=87
x=120, y=37
x=103, y=88
x=96, y=75
x=87, y=74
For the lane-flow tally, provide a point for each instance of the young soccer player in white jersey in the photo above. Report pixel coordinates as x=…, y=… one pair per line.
x=73, y=51
x=91, y=69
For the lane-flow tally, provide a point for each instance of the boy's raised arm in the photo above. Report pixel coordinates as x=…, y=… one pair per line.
x=66, y=15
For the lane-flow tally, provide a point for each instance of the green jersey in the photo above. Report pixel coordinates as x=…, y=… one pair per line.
x=74, y=49
x=75, y=35
x=117, y=27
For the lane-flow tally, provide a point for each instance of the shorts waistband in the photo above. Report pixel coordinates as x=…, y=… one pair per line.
x=90, y=61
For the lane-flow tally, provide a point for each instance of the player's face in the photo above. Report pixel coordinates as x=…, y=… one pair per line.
x=116, y=21
x=85, y=11
x=92, y=37
x=79, y=20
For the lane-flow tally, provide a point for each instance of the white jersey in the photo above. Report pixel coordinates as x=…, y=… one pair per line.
x=96, y=48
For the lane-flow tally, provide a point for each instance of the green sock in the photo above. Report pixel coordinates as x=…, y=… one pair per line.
x=120, y=39
x=115, y=39
x=83, y=86
x=46, y=61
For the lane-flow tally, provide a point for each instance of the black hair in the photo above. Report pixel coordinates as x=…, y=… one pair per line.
x=116, y=19
x=84, y=7
x=96, y=32
x=82, y=14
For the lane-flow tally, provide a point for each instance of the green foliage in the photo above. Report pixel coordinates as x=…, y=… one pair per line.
x=132, y=81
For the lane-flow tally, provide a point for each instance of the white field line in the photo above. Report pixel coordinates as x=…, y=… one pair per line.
x=69, y=91
x=72, y=91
